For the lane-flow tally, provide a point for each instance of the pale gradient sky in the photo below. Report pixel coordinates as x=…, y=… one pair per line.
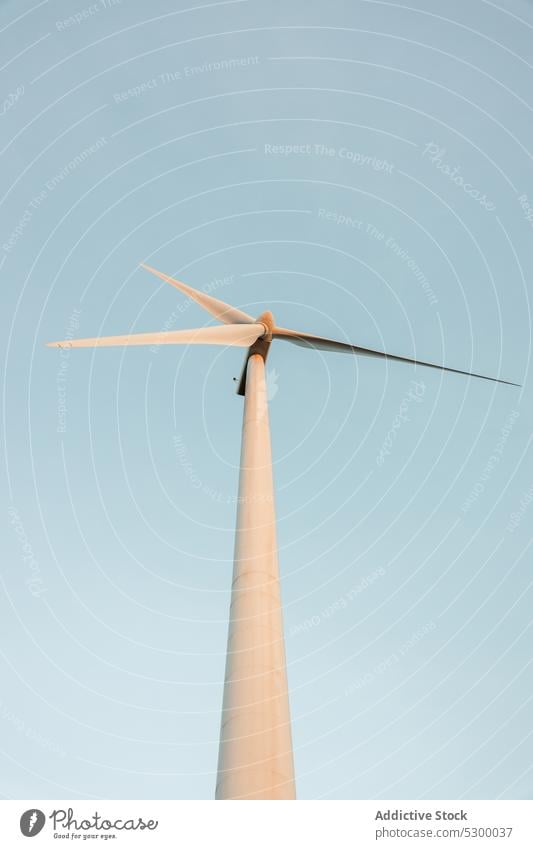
x=118, y=513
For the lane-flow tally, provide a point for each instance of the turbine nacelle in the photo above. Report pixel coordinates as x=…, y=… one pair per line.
x=261, y=346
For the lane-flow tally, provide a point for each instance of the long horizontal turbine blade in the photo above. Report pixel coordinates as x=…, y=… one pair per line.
x=223, y=312
x=323, y=344
x=238, y=335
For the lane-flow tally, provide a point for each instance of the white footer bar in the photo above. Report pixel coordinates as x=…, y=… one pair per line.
x=268, y=825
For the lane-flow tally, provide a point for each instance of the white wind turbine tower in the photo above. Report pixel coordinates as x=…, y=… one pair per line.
x=255, y=755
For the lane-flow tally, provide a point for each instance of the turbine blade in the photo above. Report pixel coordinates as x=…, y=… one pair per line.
x=323, y=344
x=223, y=312
x=238, y=335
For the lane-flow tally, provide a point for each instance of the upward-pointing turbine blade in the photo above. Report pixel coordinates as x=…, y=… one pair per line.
x=223, y=312
x=323, y=344
x=237, y=334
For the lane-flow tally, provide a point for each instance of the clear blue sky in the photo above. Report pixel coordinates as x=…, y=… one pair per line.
x=364, y=170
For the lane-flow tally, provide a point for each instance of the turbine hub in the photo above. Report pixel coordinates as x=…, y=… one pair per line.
x=267, y=320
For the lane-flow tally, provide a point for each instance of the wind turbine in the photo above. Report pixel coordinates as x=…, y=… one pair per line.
x=255, y=754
